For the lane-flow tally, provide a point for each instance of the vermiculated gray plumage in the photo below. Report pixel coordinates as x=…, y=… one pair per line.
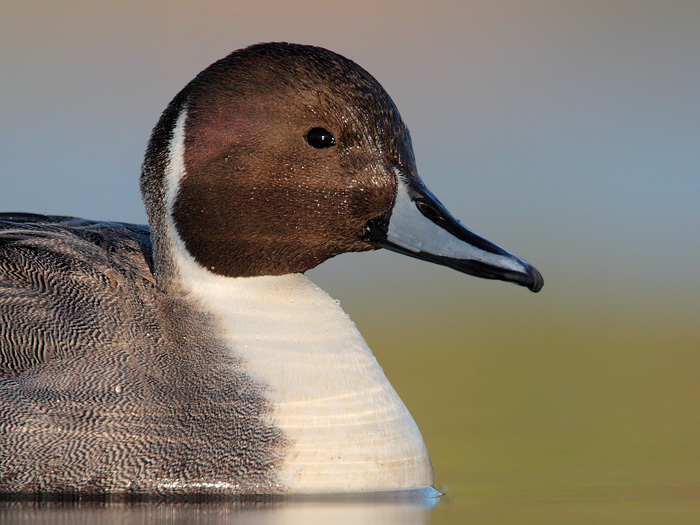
x=82, y=328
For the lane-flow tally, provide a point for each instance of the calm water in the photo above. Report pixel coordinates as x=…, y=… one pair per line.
x=594, y=506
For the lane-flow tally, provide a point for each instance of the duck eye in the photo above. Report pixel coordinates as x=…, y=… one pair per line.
x=320, y=138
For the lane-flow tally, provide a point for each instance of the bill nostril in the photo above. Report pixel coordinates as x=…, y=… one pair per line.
x=430, y=212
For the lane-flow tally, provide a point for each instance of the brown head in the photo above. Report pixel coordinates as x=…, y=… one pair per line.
x=280, y=156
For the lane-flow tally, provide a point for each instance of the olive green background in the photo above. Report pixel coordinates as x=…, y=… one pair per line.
x=579, y=403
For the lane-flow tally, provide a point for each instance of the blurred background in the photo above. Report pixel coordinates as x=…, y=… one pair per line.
x=567, y=132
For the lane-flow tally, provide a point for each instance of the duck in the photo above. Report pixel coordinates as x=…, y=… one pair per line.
x=192, y=356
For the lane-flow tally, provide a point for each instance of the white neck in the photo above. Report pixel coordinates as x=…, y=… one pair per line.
x=348, y=427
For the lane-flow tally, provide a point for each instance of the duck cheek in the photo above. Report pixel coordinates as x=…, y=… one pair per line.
x=370, y=198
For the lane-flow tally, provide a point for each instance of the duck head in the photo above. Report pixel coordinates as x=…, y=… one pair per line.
x=280, y=156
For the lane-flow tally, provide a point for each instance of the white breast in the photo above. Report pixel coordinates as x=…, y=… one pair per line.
x=349, y=428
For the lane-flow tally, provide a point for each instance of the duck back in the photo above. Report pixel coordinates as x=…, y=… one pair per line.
x=122, y=387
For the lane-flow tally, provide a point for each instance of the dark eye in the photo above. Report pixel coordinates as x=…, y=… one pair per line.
x=320, y=138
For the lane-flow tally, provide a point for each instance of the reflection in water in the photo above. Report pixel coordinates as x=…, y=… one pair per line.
x=401, y=508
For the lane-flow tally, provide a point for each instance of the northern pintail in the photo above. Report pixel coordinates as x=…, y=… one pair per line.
x=193, y=356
